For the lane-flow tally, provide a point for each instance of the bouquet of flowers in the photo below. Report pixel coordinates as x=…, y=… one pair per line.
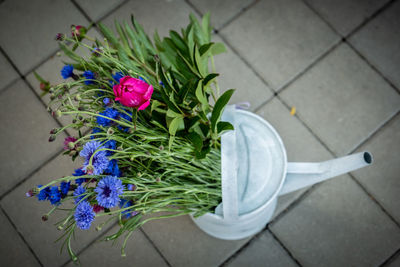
x=145, y=127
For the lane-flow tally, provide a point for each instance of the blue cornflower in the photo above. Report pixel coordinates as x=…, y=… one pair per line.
x=110, y=144
x=113, y=169
x=108, y=191
x=123, y=116
x=117, y=76
x=106, y=101
x=67, y=71
x=140, y=78
x=64, y=188
x=109, y=113
x=99, y=159
x=89, y=75
x=79, y=172
x=84, y=215
x=125, y=204
x=44, y=193
x=94, y=131
x=79, y=193
x=131, y=187
x=54, y=195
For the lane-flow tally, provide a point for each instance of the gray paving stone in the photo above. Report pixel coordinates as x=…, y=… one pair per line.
x=26, y=214
x=234, y=73
x=153, y=14
x=13, y=250
x=345, y=15
x=394, y=262
x=7, y=73
x=337, y=224
x=221, y=11
x=32, y=25
x=379, y=42
x=382, y=178
x=263, y=251
x=342, y=99
x=139, y=252
x=96, y=9
x=300, y=144
x=183, y=244
x=279, y=38
x=25, y=134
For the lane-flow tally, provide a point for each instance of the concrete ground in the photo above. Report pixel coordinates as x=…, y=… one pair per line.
x=336, y=61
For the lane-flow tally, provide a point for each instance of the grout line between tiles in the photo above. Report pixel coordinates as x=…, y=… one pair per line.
x=391, y=259
x=80, y=9
x=21, y=236
x=155, y=247
x=284, y=247
x=346, y=37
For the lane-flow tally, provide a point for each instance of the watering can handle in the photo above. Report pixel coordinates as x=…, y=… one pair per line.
x=229, y=169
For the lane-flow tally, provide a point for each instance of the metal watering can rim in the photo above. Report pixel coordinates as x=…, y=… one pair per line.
x=288, y=176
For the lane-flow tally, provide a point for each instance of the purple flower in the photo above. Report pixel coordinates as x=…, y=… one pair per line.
x=84, y=215
x=79, y=193
x=99, y=159
x=108, y=191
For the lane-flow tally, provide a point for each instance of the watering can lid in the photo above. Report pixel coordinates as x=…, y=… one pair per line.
x=253, y=163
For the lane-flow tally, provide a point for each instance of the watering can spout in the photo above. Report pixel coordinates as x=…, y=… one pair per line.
x=303, y=174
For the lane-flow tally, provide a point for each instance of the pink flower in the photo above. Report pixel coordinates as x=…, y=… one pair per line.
x=132, y=92
x=67, y=141
x=78, y=31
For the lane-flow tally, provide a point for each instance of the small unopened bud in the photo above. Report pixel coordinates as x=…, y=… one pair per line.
x=158, y=179
x=131, y=130
x=161, y=147
x=60, y=227
x=52, y=96
x=81, y=108
x=89, y=169
x=54, y=131
x=139, y=174
x=44, y=86
x=52, y=138
x=78, y=97
x=71, y=145
x=80, y=117
x=58, y=54
x=120, y=148
x=98, y=228
x=72, y=153
x=29, y=193
x=45, y=217
x=58, y=113
x=60, y=36
x=110, y=131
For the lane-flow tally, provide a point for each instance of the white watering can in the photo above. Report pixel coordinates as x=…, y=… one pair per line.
x=255, y=171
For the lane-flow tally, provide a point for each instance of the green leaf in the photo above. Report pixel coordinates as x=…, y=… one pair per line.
x=219, y=108
x=173, y=114
x=122, y=36
x=108, y=34
x=205, y=24
x=203, y=153
x=72, y=55
x=199, y=62
x=39, y=78
x=218, y=48
x=200, y=94
x=209, y=79
x=175, y=125
x=134, y=41
x=223, y=126
x=178, y=41
x=196, y=140
x=205, y=48
x=155, y=104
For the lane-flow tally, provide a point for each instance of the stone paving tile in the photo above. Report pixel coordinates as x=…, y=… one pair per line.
x=221, y=11
x=342, y=99
x=263, y=251
x=394, y=262
x=96, y=9
x=249, y=87
x=379, y=42
x=32, y=25
x=155, y=14
x=13, y=250
x=300, y=144
x=26, y=214
x=346, y=15
x=337, y=224
x=139, y=252
x=183, y=244
x=382, y=179
x=25, y=134
x=279, y=38
x=7, y=73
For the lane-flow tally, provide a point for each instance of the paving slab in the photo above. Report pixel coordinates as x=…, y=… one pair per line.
x=13, y=250
x=32, y=25
x=25, y=134
x=26, y=213
x=379, y=42
x=300, y=144
x=264, y=250
x=97, y=9
x=342, y=100
x=183, y=244
x=337, y=224
x=7, y=72
x=221, y=11
x=382, y=179
x=155, y=14
x=139, y=252
x=234, y=73
x=346, y=15
x=394, y=262
x=279, y=39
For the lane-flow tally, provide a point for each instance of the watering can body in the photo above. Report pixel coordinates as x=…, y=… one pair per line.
x=255, y=171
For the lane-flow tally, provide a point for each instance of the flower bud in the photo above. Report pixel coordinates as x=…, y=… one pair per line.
x=60, y=37
x=72, y=153
x=52, y=138
x=45, y=217
x=120, y=148
x=60, y=228
x=158, y=179
x=52, y=96
x=54, y=131
x=89, y=169
x=29, y=193
x=78, y=97
x=58, y=54
x=161, y=147
x=58, y=113
x=110, y=131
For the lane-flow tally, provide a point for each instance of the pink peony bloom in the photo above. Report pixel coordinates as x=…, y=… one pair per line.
x=132, y=92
